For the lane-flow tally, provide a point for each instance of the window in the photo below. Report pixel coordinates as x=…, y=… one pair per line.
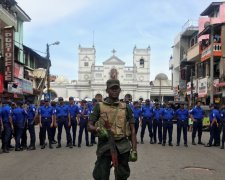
x=98, y=75
x=128, y=76
x=86, y=64
x=142, y=62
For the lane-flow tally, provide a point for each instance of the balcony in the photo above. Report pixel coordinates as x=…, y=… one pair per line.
x=8, y=18
x=189, y=28
x=193, y=52
x=206, y=53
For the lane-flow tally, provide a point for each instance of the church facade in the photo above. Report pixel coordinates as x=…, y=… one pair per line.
x=92, y=78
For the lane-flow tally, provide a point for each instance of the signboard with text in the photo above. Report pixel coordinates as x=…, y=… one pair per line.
x=16, y=86
x=27, y=86
x=8, y=44
x=202, y=87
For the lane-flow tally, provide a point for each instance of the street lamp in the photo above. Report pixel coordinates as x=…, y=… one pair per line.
x=49, y=65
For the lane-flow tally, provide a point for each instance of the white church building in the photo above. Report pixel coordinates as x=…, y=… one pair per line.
x=134, y=80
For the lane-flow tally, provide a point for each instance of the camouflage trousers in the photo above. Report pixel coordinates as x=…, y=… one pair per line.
x=103, y=166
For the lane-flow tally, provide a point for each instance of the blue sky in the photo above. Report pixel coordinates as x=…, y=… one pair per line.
x=118, y=24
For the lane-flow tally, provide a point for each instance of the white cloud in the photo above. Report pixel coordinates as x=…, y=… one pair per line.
x=49, y=11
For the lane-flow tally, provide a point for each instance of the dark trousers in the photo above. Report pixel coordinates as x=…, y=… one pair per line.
x=146, y=122
x=74, y=129
x=157, y=124
x=63, y=121
x=213, y=134
x=223, y=138
x=24, y=136
x=93, y=138
x=30, y=126
x=53, y=129
x=167, y=127
x=182, y=125
x=83, y=127
x=103, y=166
x=197, y=126
x=42, y=136
x=18, y=136
x=136, y=125
x=46, y=126
x=31, y=129
x=6, y=135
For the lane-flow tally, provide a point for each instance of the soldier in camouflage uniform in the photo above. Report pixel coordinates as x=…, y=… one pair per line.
x=111, y=120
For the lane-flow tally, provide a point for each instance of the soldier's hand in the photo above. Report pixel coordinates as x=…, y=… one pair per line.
x=51, y=125
x=69, y=124
x=133, y=156
x=40, y=124
x=102, y=132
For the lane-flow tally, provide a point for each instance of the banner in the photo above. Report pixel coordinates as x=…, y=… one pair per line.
x=27, y=86
x=1, y=83
x=18, y=71
x=202, y=87
x=8, y=44
x=16, y=86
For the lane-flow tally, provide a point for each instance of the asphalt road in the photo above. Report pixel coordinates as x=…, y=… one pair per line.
x=154, y=163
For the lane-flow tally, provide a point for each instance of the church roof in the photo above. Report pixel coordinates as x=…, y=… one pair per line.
x=114, y=60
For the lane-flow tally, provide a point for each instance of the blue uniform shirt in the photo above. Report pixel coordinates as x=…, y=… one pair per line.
x=197, y=113
x=168, y=114
x=62, y=110
x=19, y=117
x=214, y=114
x=137, y=113
x=147, y=112
x=222, y=115
x=157, y=112
x=6, y=113
x=31, y=112
x=0, y=113
x=86, y=112
x=46, y=111
x=73, y=110
x=182, y=115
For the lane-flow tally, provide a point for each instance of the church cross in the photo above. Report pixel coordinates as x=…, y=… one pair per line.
x=113, y=51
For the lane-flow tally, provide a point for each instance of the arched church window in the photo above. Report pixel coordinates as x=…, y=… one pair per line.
x=142, y=63
x=86, y=64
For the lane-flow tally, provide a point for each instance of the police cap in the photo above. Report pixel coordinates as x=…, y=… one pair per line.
x=112, y=82
x=60, y=99
x=71, y=98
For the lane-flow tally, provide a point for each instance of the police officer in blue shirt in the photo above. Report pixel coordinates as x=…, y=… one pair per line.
x=63, y=119
x=73, y=111
x=53, y=105
x=19, y=118
x=182, y=116
x=46, y=120
x=83, y=121
x=214, y=118
x=7, y=125
x=92, y=105
x=137, y=115
x=222, y=115
x=157, y=123
x=31, y=113
x=147, y=115
x=167, y=116
x=197, y=115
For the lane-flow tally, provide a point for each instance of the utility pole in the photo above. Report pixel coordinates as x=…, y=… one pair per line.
x=211, y=64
